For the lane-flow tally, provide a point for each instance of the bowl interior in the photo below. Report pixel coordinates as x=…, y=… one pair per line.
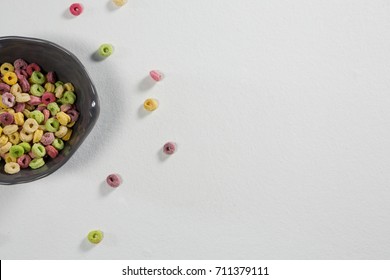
x=68, y=68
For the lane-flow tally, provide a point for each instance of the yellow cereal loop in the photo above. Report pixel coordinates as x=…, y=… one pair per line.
x=22, y=97
x=59, y=91
x=150, y=104
x=4, y=149
x=63, y=118
x=49, y=87
x=26, y=113
x=16, y=89
x=2, y=104
x=18, y=119
x=30, y=125
x=6, y=67
x=11, y=111
x=69, y=87
x=11, y=168
x=1, y=130
x=67, y=135
x=71, y=124
x=3, y=140
x=9, y=129
x=61, y=131
x=37, y=135
x=14, y=138
x=10, y=78
x=8, y=158
x=25, y=136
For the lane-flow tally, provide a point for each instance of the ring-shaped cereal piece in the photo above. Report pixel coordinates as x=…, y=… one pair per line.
x=16, y=151
x=6, y=67
x=106, y=50
x=9, y=129
x=26, y=146
x=14, y=138
x=37, y=163
x=58, y=144
x=30, y=125
x=24, y=161
x=150, y=104
x=38, y=150
x=11, y=168
x=76, y=9
x=16, y=89
x=95, y=236
x=5, y=148
x=10, y=78
x=25, y=136
x=61, y=131
x=52, y=125
x=38, y=78
x=37, y=135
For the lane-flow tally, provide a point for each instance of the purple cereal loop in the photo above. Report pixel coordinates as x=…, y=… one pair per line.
x=24, y=161
x=73, y=114
x=34, y=100
x=19, y=107
x=4, y=88
x=33, y=67
x=24, y=84
x=20, y=64
x=8, y=99
x=113, y=180
x=6, y=118
x=51, y=77
x=169, y=148
x=47, y=138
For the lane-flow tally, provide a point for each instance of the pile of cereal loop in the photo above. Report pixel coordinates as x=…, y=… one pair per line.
x=37, y=113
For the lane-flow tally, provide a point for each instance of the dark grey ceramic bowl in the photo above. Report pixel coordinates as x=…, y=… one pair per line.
x=52, y=57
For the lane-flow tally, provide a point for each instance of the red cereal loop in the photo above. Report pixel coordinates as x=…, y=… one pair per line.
x=76, y=9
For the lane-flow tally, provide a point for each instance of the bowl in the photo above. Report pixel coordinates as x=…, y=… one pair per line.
x=52, y=57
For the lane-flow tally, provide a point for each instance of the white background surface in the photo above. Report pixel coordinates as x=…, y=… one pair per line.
x=281, y=113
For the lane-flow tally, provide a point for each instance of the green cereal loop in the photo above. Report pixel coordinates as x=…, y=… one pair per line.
x=52, y=125
x=53, y=108
x=16, y=151
x=38, y=150
x=37, y=163
x=68, y=98
x=38, y=78
x=106, y=50
x=37, y=90
x=37, y=115
x=95, y=236
x=58, y=144
x=26, y=146
x=58, y=83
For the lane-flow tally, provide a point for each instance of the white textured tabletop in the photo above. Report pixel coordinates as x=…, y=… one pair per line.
x=281, y=112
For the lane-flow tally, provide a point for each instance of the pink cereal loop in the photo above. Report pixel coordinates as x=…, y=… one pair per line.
x=76, y=9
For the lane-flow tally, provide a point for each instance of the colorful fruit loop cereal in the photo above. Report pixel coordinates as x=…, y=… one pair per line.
x=169, y=148
x=95, y=236
x=113, y=180
x=150, y=104
x=37, y=114
x=76, y=9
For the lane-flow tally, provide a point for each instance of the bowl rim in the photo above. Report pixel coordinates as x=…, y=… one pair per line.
x=92, y=123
